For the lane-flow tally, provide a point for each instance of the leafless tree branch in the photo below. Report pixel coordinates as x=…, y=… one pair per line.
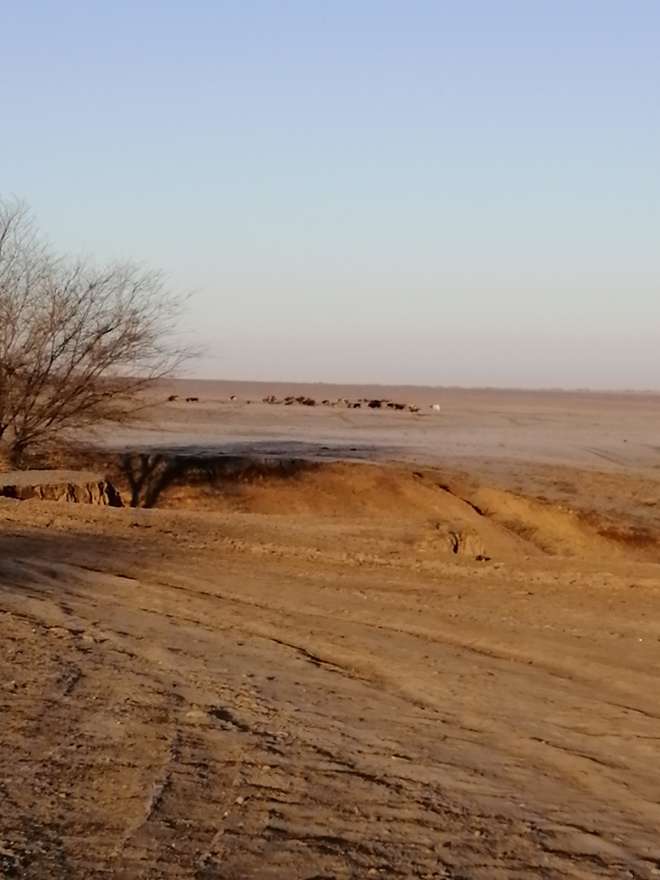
x=78, y=343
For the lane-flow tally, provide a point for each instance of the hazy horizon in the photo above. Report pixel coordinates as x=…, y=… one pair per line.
x=450, y=195
x=193, y=378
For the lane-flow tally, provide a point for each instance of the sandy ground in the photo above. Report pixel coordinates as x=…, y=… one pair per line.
x=344, y=670
x=593, y=430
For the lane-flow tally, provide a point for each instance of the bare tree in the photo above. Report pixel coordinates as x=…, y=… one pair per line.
x=78, y=342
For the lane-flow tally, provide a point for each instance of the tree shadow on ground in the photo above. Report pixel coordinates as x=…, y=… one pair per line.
x=151, y=472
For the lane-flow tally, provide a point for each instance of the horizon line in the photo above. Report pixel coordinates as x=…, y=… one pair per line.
x=554, y=389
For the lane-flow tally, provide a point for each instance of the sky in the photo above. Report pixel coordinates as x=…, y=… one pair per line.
x=451, y=192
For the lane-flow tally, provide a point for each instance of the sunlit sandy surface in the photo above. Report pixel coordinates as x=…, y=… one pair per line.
x=584, y=429
x=307, y=661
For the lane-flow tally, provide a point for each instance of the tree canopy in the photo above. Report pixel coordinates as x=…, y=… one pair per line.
x=79, y=342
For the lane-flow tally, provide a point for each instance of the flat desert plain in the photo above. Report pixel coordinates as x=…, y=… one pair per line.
x=340, y=643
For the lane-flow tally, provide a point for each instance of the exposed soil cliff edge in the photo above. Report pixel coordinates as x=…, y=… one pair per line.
x=81, y=487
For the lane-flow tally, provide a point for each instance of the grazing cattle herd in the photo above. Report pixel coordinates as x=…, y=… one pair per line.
x=369, y=403
x=346, y=403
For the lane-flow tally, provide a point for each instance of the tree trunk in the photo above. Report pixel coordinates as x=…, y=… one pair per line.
x=12, y=454
x=5, y=456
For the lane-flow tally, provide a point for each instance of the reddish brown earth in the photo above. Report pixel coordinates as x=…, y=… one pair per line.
x=335, y=670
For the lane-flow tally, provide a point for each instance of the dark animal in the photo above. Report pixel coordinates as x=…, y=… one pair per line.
x=375, y=404
x=172, y=398
x=192, y=399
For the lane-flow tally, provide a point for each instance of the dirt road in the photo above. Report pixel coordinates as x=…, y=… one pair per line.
x=242, y=694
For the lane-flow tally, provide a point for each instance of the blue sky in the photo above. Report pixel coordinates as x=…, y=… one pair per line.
x=435, y=192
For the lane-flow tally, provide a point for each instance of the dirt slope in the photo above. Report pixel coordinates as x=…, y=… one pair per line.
x=309, y=694
x=447, y=511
